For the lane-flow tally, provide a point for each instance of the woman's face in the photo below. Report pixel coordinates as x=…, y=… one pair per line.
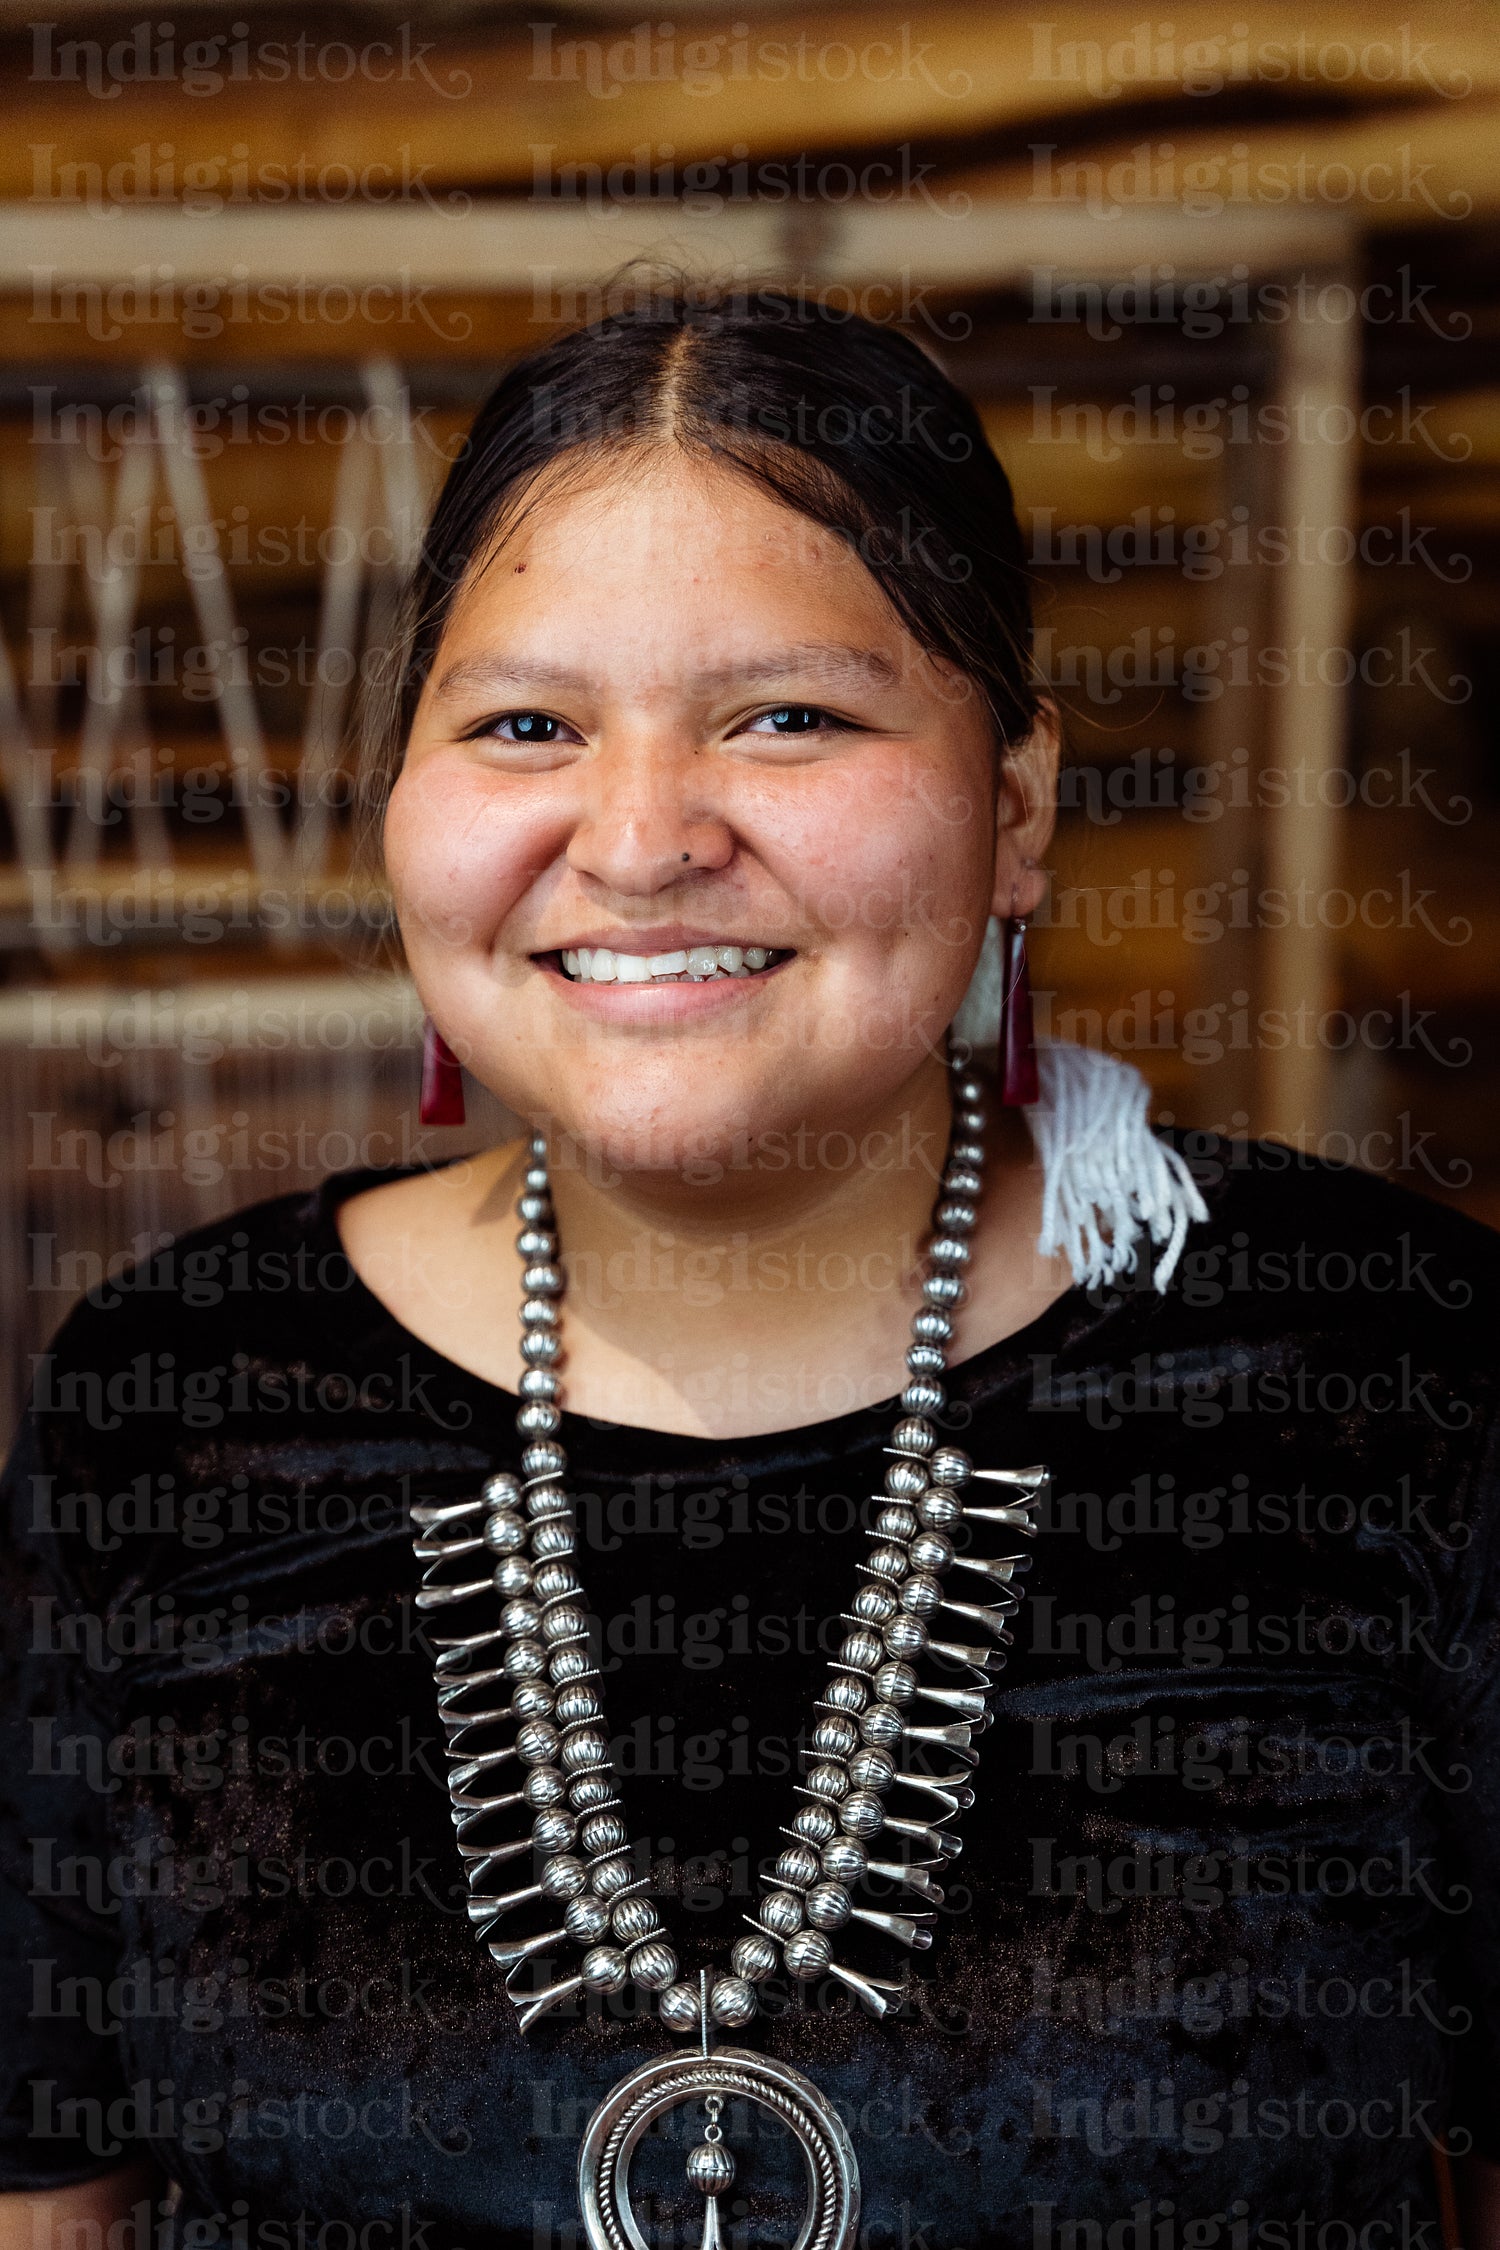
x=693, y=845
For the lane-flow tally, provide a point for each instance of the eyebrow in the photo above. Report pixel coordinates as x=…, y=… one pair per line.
x=830, y=660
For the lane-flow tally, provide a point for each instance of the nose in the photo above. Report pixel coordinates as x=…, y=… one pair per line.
x=647, y=824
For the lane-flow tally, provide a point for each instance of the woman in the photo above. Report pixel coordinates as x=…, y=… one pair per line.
x=715, y=747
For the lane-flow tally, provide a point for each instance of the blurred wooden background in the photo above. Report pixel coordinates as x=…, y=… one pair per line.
x=1224, y=288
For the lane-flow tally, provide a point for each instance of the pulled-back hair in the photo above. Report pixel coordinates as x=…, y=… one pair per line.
x=852, y=425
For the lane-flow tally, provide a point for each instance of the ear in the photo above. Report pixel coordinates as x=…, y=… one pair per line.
x=1026, y=815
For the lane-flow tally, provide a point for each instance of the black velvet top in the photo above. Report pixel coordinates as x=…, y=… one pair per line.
x=1220, y=1961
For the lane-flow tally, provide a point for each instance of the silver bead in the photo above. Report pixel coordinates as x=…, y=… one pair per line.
x=505, y=1533
x=923, y=1396
x=951, y=1467
x=565, y=1622
x=921, y=1596
x=536, y=1242
x=592, y=1792
x=949, y=1250
x=501, y=1491
x=943, y=1289
x=513, y=1577
x=525, y=1660
x=962, y=1180
x=555, y=1535
x=543, y=1279
x=532, y=1700
x=940, y=1509
x=632, y=1918
x=545, y=1458
x=905, y=1478
x=535, y=1207
x=544, y=1788
x=914, y=1436
x=828, y=1906
x=969, y=1091
x=860, y=1650
x=605, y=1969
x=538, y=1313
x=881, y=1725
x=970, y=1154
x=588, y=1747
x=604, y=1832
x=586, y=1919
x=577, y=1702
x=895, y=1683
x=895, y=1521
x=546, y=1499
x=834, y=1736
x=538, y=1418
x=932, y=1326
x=538, y=1382
x=861, y=1814
x=732, y=2001
x=926, y=1359
x=610, y=1876
x=887, y=1563
x=829, y=1782
x=753, y=1957
x=565, y=1877
x=519, y=1618
x=969, y=1122
x=845, y=1692
x=554, y=1832
x=541, y=1348
x=905, y=1636
x=844, y=1861
x=678, y=2006
x=781, y=1911
x=537, y=1741
x=797, y=1866
x=554, y=1579
x=872, y=1769
x=653, y=1965
x=710, y=2167
x=874, y=1605
x=932, y=1550
x=807, y=1955
x=955, y=1217
x=571, y=1664
x=814, y=1823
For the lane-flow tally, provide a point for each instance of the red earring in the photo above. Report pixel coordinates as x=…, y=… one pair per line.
x=1018, y=1079
x=442, y=1080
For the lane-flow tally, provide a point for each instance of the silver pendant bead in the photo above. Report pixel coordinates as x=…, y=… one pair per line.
x=940, y=1509
x=862, y=1814
x=710, y=2167
x=678, y=2006
x=753, y=1958
x=895, y=1683
x=932, y=1550
x=505, y=1533
x=781, y=1913
x=828, y=1906
x=604, y=1969
x=732, y=2001
x=807, y=1955
x=881, y=1725
x=653, y=1966
x=501, y=1490
x=632, y=1919
x=586, y=1919
x=905, y=1636
x=843, y=1860
x=951, y=1467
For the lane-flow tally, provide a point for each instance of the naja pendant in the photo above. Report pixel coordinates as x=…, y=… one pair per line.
x=728, y=2074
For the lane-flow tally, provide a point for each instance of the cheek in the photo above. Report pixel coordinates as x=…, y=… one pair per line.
x=456, y=864
x=892, y=855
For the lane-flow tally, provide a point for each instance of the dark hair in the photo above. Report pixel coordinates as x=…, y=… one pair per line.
x=852, y=425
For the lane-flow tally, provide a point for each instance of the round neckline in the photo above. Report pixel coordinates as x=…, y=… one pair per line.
x=967, y=1378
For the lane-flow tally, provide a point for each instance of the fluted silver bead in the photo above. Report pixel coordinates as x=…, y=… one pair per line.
x=732, y=2001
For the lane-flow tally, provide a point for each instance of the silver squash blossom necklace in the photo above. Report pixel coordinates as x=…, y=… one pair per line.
x=524, y=1691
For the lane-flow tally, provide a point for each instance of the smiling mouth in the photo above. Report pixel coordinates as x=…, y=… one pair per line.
x=692, y=964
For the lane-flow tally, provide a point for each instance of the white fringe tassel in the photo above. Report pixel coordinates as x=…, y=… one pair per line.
x=1106, y=1176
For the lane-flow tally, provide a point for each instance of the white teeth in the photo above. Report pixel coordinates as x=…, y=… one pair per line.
x=597, y=964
